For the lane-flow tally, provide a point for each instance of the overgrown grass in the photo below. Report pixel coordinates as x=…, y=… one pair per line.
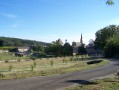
x=44, y=67
x=104, y=84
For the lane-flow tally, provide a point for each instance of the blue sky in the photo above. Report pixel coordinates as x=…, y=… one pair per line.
x=48, y=20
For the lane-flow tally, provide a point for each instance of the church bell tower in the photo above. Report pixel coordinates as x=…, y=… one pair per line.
x=81, y=40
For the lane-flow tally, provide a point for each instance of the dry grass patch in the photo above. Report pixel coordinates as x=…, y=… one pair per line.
x=43, y=67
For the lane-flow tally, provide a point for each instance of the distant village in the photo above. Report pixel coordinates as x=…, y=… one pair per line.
x=90, y=50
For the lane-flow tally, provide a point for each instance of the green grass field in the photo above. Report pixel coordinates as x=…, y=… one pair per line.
x=10, y=56
x=104, y=84
x=43, y=67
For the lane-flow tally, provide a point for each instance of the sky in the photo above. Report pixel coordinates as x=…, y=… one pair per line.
x=48, y=20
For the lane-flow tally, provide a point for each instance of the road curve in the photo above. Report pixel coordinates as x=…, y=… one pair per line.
x=58, y=81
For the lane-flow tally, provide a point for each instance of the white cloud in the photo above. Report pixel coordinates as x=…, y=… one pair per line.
x=9, y=15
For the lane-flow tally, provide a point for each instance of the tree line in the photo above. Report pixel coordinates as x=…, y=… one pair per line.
x=107, y=39
x=58, y=49
x=7, y=41
x=55, y=48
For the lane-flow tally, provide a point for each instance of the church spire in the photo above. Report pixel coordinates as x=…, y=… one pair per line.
x=81, y=40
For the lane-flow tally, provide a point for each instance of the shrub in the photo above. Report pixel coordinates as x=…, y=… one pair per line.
x=10, y=68
x=32, y=67
x=19, y=60
x=51, y=63
x=63, y=61
x=71, y=59
x=1, y=75
x=6, y=61
x=66, y=61
x=33, y=58
x=34, y=64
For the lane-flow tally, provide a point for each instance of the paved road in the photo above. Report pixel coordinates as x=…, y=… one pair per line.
x=58, y=81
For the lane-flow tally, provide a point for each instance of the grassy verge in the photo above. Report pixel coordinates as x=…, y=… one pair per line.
x=104, y=84
x=44, y=67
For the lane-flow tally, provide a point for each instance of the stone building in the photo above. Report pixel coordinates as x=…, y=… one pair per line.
x=90, y=49
x=76, y=45
x=23, y=49
x=59, y=41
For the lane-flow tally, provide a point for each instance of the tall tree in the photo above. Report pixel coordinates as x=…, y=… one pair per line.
x=104, y=34
x=55, y=48
x=67, y=49
x=38, y=48
x=82, y=50
x=1, y=43
x=110, y=2
x=112, y=46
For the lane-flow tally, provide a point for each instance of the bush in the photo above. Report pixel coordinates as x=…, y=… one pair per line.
x=33, y=58
x=51, y=63
x=10, y=68
x=34, y=63
x=63, y=61
x=1, y=75
x=32, y=67
x=71, y=59
x=19, y=60
x=6, y=61
x=66, y=61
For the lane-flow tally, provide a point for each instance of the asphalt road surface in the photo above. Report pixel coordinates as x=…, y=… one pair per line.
x=58, y=82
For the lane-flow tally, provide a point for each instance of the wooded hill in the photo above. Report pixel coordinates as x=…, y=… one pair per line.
x=7, y=41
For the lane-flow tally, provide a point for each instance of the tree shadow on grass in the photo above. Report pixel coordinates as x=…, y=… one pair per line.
x=82, y=82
